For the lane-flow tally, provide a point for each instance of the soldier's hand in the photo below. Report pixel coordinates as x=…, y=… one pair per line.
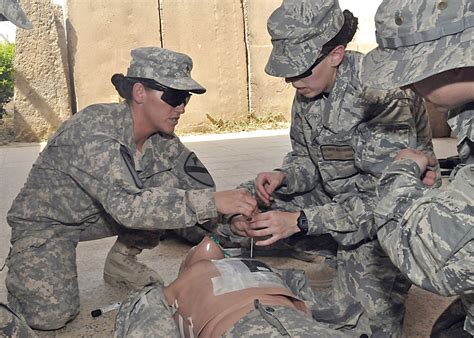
x=266, y=183
x=423, y=161
x=240, y=225
x=275, y=224
x=236, y=201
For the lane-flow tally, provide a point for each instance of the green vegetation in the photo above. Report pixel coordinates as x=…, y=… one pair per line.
x=7, y=75
x=245, y=123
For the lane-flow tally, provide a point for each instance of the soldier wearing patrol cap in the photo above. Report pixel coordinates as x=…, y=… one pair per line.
x=10, y=10
x=343, y=135
x=112, y=169
x=428, y=233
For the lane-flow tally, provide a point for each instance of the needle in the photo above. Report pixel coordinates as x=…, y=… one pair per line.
x=251, y=247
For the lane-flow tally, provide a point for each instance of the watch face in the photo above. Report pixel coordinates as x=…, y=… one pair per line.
x=303, y=223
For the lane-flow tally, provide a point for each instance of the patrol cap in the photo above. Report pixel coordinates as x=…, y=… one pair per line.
x=168, y=68
x=418, y=39
x=299, y=29
x=10, y=10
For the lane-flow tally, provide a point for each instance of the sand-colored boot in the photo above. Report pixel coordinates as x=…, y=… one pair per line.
x=122, y=268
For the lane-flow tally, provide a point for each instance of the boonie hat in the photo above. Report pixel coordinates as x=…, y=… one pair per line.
x=168, y=68
x=299, y=29
x=11, y=10
x=418, y=39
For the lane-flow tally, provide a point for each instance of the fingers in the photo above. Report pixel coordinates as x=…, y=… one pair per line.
x=263, y=194
x=267, y=241
x=430, y=178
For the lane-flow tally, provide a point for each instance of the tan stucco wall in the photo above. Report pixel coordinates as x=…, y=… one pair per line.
x=101, y=34
x=42, y=98
x=268, y=94
x=212, y=33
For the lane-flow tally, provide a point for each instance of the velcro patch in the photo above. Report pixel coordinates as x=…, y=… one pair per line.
x=195, y=169
x=337, y=152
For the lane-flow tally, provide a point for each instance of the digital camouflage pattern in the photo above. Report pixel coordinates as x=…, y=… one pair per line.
x=418, y=39
x=299, y=29
x=10, y=10
x=13, y=325
x=88, y=183
x=340, y=146
x=171, y=69
x=428, y=233
x=145, y=313
x=341, y=142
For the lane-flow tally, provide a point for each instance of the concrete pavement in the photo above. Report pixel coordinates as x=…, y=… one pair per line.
x=231, y=159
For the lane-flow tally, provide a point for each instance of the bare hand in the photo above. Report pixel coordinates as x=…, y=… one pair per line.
x=266, y=183
x=276, y=224
x=423, y=161
x=240, y=225
x=237, y=201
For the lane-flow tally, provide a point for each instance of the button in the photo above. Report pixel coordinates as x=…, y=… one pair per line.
x=399, y=20
x=442, y=5
x=270, y=309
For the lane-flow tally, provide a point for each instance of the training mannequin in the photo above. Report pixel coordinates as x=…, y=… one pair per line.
x=215, y=296
x=216, y=307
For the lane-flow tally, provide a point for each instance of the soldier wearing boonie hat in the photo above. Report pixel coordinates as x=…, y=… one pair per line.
x=343, y=135
x=429, y=46
x=111, y=169
x=10, y=10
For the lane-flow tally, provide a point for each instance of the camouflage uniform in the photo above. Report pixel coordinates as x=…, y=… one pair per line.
x=89, y=183
x=340, y=145
x=12, y=324
x=428, y=233
x=146, y=313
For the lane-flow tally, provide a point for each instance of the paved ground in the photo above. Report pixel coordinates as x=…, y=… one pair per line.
x=230, y=161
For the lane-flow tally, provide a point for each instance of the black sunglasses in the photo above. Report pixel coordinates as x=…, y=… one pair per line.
x=173, y=97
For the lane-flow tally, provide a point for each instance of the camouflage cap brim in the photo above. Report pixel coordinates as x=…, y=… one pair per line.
x=287, y=60
x=387, y=68
x=187, y=84
x=12, y=11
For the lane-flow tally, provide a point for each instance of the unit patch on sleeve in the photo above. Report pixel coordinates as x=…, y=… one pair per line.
x=195, y=169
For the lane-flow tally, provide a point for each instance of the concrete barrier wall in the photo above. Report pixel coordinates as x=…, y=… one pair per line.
x=227, y=40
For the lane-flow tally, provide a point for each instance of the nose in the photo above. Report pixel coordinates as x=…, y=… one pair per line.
x=180, y=109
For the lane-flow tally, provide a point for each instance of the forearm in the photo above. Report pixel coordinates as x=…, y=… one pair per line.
x=428, y=233
x=348, y=219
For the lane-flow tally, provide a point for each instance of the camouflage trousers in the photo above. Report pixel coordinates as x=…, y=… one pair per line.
x=145, y=313
x=12, y=324
x=368, y=293
x=42, y=273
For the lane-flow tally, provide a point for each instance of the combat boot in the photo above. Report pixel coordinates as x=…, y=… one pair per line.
x=122, y=268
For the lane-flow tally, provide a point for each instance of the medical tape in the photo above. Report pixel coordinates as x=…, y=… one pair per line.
x=235, y=275
x=191, y=327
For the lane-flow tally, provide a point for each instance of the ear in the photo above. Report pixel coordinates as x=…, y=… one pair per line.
x=138, y=93
x=337, y=55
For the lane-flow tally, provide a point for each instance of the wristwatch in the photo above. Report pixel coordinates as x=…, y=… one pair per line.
x=302, y=224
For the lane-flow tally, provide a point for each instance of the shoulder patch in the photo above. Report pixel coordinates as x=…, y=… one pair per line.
x=194, y=168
